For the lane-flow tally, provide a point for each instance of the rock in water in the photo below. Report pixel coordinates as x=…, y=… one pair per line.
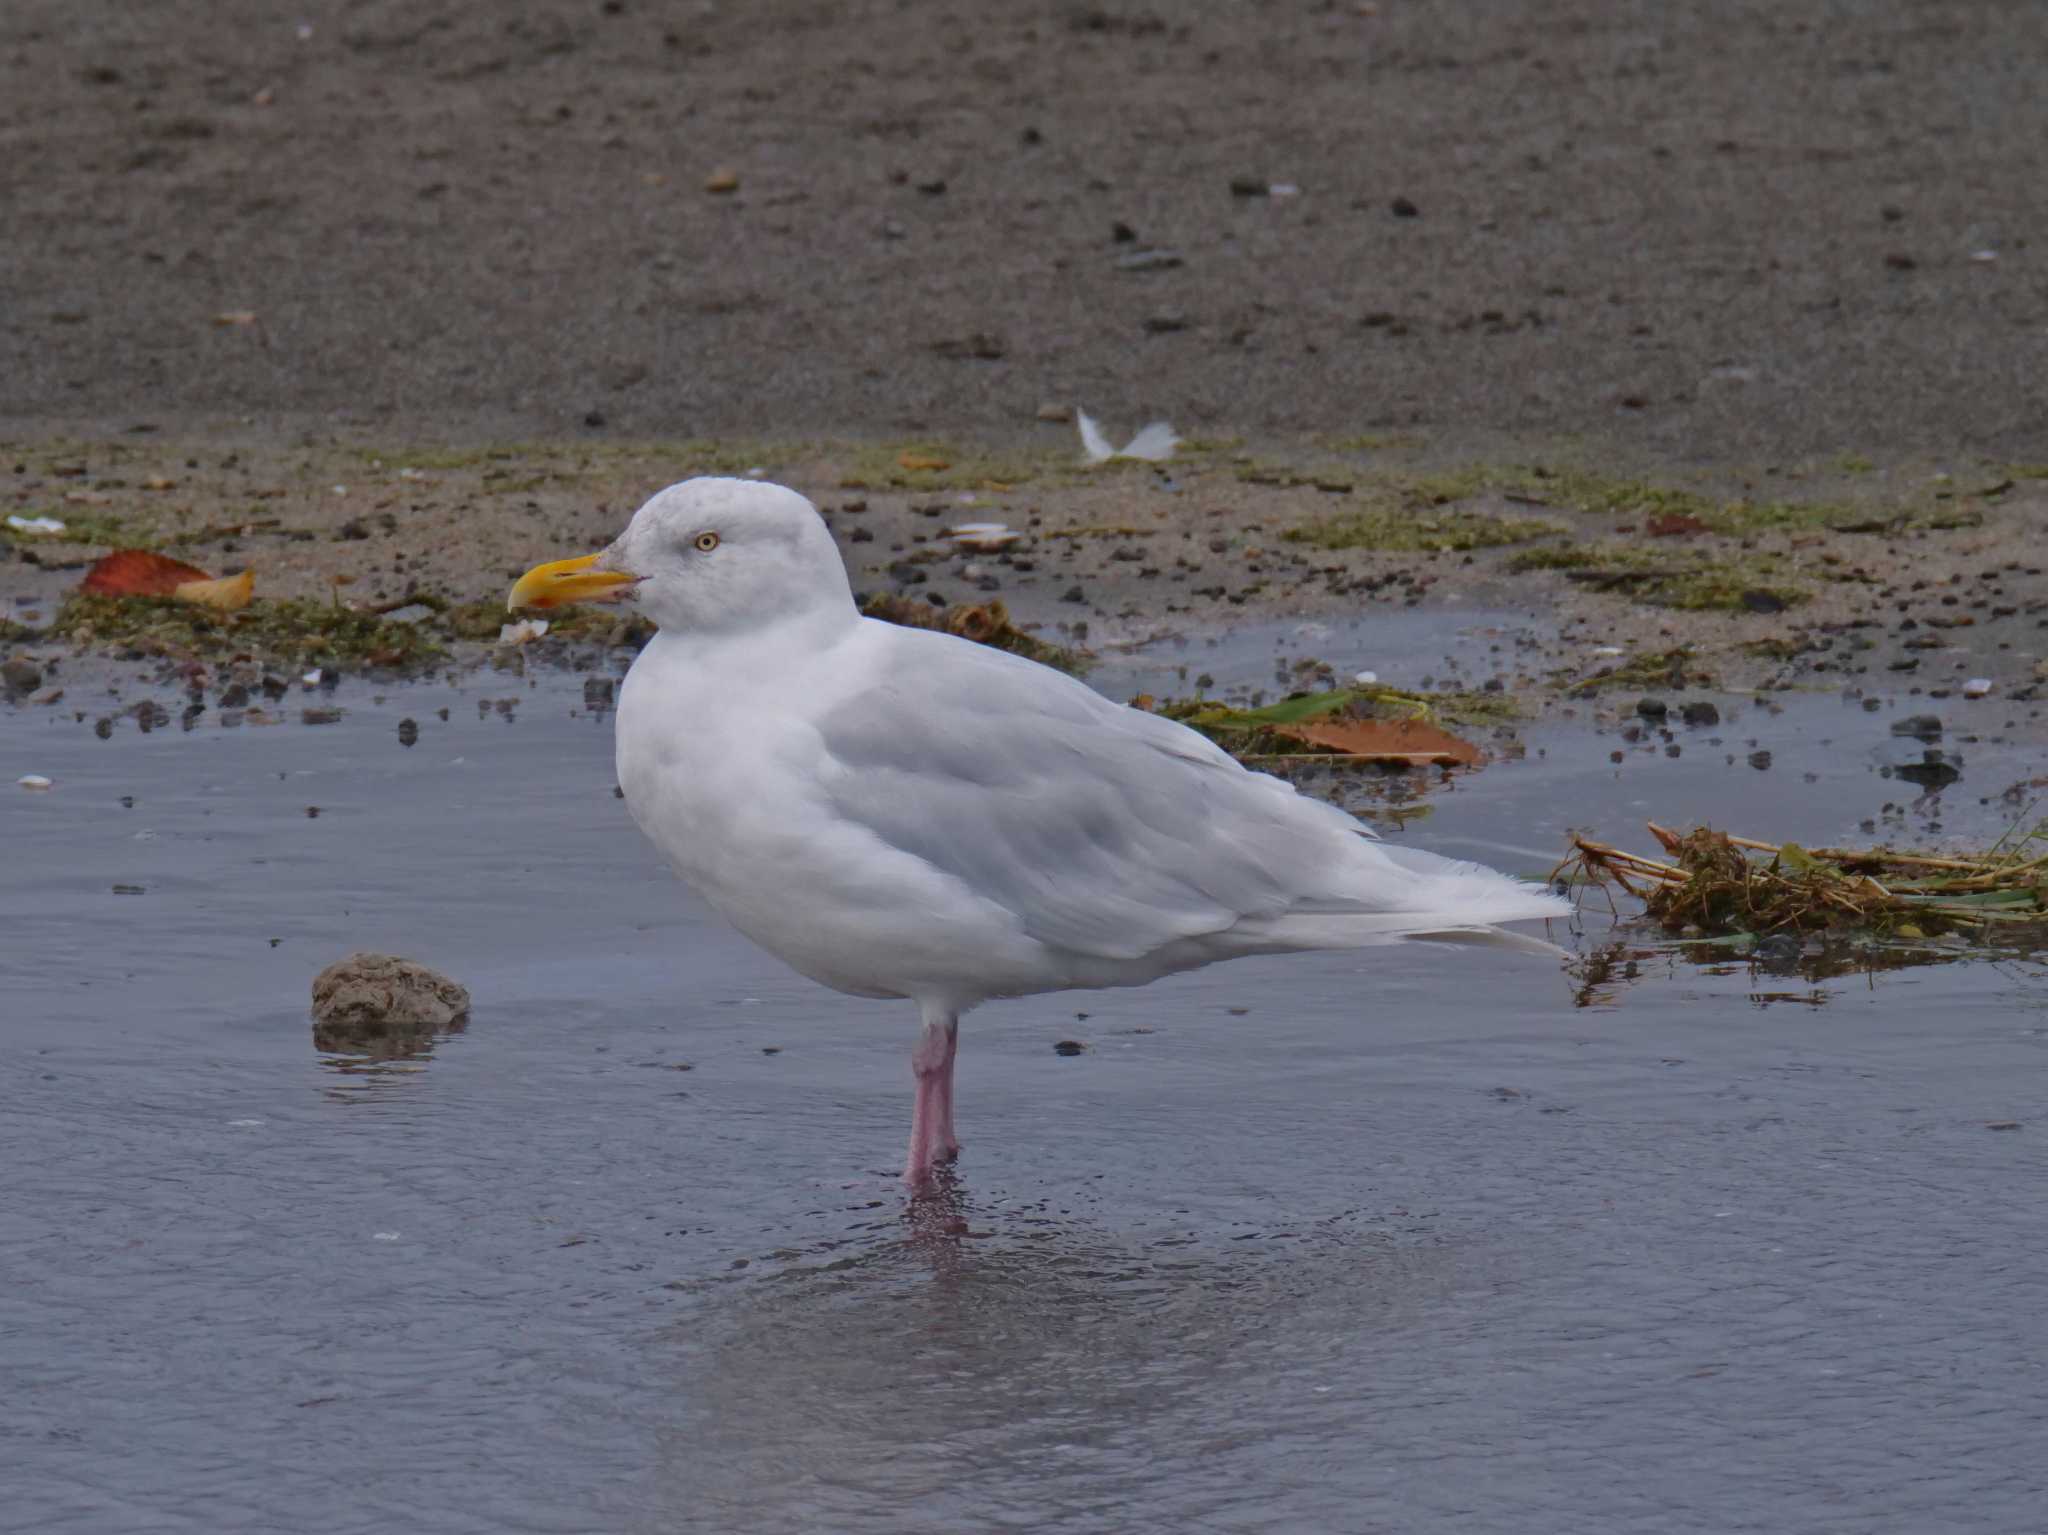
x=373, y=991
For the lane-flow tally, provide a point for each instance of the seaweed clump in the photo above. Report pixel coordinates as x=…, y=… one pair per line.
x=984, y=623
x=293, y=630
x=1716, y=885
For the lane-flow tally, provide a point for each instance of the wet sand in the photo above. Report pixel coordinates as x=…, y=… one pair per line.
x=1732, y=233
x=1841, y=575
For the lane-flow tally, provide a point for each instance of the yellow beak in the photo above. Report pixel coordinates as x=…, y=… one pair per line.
x=560, y=581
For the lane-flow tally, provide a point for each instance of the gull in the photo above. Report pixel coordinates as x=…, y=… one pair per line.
x=902, y=813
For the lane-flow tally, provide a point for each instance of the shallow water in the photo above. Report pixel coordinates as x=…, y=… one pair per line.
x=1404, y=1240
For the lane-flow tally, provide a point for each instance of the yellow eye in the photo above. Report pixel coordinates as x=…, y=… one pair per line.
x=706, y=542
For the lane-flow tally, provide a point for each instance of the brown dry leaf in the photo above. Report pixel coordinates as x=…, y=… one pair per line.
x=235, y=317
x=723, y=180
x=139, y=573
x=159, y=482
x=228, y=594
x=1415, y=742
x=1673, y=525
x=917, y=461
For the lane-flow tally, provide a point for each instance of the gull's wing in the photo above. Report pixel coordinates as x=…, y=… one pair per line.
x=1107, y=831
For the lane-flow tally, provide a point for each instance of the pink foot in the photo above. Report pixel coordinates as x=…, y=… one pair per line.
x=931, y=1116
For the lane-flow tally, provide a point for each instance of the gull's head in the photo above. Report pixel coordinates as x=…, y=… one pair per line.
x=706, y=555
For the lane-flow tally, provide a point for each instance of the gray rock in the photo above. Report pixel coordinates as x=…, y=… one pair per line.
x=21, y=675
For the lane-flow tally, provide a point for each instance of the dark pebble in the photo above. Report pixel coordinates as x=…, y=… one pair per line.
x=1402, y=208
x=320, y=716
x=1926, y=727
x=1250, y=186
x=1073, y=594
x=1760, y=760
x=1763, y=602
x=1652, y=708
x=598, y=692
x=234, y=696
x=1068, y=1047
x=1933, y=771
x=1700, y=714
x=21, y=676
x=408, y=732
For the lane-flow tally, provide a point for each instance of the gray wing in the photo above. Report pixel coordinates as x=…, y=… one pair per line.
x=1106, y=830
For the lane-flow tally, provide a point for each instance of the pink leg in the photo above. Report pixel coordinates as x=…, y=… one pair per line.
x=931, y=1116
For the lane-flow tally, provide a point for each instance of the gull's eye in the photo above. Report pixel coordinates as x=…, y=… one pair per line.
x=706, y=542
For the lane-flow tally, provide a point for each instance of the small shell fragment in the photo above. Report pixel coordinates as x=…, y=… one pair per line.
x=522, y=631
x=33, y=781
x=983, y=537
x=1977, y=687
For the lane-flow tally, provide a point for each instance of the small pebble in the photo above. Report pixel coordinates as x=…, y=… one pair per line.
x=33, y=781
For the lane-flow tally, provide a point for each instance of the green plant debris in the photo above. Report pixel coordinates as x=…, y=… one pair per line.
x=1325, y=477
x=984, y=623
x=1671, y=578
x=1104, y=530
x=1673, y=669
x=1714, y=885
x=1411, y=531
x=291, y=630
x=10, y=631
x=578, y=621
x=1253, y=732
x=92, y=529
x=1589, y=493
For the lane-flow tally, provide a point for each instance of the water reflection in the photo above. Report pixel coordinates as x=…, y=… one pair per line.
x=359, y=1047
x=957, y=1355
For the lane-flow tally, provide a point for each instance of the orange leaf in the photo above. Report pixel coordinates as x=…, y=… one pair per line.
x=1673, y=525
x=139, y=573
x=1414, y=742
x=916, y=461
